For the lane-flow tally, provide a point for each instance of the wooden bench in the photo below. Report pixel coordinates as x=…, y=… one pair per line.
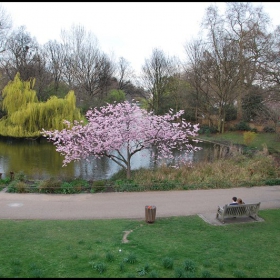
x=239, y=210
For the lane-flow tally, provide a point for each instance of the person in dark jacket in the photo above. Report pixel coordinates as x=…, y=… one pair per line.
x=234, y=201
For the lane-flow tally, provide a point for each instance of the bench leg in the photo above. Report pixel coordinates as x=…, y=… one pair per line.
x=255, y=217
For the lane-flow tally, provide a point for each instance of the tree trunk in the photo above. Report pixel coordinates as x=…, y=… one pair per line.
x=128, y=169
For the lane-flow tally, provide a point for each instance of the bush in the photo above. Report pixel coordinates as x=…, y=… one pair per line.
x=179, y=273
x=189, y=265
x=20, y=176
x=100, y=267
x=243, y=126
x=5, y=181
x=17, y=187
x=51, y=185
x=205, y=129
x=249, y=137
x=272, y=182
x=110, y=257
x=127, y=185
x=268, y=129
x=167, y=262
x=79, y=183
x=206, y=274
x=67, y=188
x=21, y=187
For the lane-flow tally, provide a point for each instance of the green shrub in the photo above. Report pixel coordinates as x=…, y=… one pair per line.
x=51, y=185
x=189, y=265
x=268, y=129
x=243, y=126
x=205, y=129
x=179, y=273
x=21, y=176
x=206, y=274
x=272, y=182
x=21, y=187
x=167, y=262
x=143, y=270
x=162, y=185
x=17, y=187
x=11, y=187
x=127, y=185
x=67, y=188
x=100, y=267
x=109, y=257
x=5, y=181
x=78, y=182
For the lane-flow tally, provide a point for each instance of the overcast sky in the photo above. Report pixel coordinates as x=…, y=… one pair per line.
x=128, y=29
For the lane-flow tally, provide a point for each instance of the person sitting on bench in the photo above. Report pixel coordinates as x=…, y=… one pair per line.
x=234, y=201
x=240, y=201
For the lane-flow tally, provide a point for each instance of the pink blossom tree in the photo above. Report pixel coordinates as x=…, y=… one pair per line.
x=119, y=131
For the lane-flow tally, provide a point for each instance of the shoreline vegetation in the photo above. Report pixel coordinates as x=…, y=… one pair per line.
x=257, y=165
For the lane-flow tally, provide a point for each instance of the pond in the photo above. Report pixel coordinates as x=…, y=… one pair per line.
x=40, y=161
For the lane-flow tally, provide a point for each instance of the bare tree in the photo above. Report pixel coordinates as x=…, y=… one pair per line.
x=197, y=76
x=271, y=67
x=5, y=28
x=124, y=73
x=225, y=65
x=215, y=67
x=247, y=27
x=23, y=55
x=85, y=68
x=19, y=55
x=54, y=63
x=155, y=77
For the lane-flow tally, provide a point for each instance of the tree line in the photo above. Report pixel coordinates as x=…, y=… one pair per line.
x=231, y=71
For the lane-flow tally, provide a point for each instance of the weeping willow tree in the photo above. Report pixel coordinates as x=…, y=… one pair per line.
x=26, y=116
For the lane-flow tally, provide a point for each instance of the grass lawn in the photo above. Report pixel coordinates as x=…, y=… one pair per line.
x=171, y=247
x=271, y=140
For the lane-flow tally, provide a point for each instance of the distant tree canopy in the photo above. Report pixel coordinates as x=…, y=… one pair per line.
x=26, y=116
x=115, y=95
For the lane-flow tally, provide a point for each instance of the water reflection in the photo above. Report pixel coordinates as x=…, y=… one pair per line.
x=41, y=161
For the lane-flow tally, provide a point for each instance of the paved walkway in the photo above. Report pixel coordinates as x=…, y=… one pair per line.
x=131, y=204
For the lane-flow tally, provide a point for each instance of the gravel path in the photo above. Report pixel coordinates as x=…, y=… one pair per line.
x=130, y=204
